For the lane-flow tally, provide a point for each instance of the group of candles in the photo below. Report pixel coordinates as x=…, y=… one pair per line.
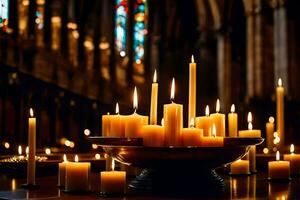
x=75, y=176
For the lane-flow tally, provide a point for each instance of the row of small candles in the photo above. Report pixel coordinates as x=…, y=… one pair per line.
x=75, y=176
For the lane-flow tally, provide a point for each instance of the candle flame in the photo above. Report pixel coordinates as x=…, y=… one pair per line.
x=162, y=122
x=275, y=134
x=113, y=164
x=192, y=123
x=154, y=77
x=117, y=108
x=76, y=158
x=271, y=119
x=214, y=130
x=135, y=99
x=31, y=112
x=292, y=149
x=249, y=118
x=279, y=82
x=27, y=150
x=277, y=155
x=20, y=150
x=218, y=106
x=173, y=89
x=207, y=111
x=250, y=126
x=232, y=109
x=65, y=158
x=192, y=59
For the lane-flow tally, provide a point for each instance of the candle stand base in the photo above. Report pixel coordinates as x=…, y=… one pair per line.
x=30, y=186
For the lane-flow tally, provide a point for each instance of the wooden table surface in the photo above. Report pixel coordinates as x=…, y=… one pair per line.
x=254, y=187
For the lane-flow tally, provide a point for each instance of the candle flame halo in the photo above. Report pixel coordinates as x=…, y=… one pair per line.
x=117, y=108
x=232, y=109
x=154, y=77
x=214, y=130
x=65, y=158
x=192, y=59
x=31, y=112
x=207, y=111
x=135, y=99
x=279, y=82
x=172, y=89
x=76, y=158
x=218, y=106
x=277, y=155
x=249, y=117
x=20, y=150
x=271, y=119
x=292, y=149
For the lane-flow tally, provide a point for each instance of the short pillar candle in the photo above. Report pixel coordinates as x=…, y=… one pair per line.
x=279, y=170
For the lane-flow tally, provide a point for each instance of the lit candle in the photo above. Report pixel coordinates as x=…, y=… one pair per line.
x=294, y=161
x=279, y=169
x=117, y=126
x=56, y=32
x=153, y=135
x=214, y=140
x=191, y=136
x=240, y=167
x=154, y=96
x=134, y=122
x=32, y=146
x=77, y=176
x=106, y=119
x=113, y=182
x=219, y=120
x=280, y=112
x=205, y=122
x=233, y=122
x=269, y=132
x=173, y=120
x=192, y=90
x=62, y=171
x=250, y=133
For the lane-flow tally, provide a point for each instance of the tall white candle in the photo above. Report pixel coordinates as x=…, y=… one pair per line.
x=154, y=95
x=32, y=146
x=192, y=90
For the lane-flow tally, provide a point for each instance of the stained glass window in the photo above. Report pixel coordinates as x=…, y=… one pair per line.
x=3, y=14
x=139, y=33
x=120, y=30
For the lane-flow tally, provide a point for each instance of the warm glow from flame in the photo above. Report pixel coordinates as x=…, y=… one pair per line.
x=218, y=106
x=20, y=150
x=271, y=119
x=214, y=130
x=275, y=134
x=135, y=99
x=266, y=150
x=65, y=158
x=154, y=77
x=249, y=118
x=192, y=59
x=162, y=122
x=232, y=109
x=27, y=150
x=113, y=164
x=173, y=89
x=277, y=155
x=117, y=108
x=76, y=158
x=192, y=123
x=279, y=82
x=292, y=149
x=250, y=126
x=31, y=112
x=207, y=111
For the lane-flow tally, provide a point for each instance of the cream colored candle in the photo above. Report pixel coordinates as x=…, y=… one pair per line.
x=279, y=169
x=269, y=132
x=240, y=167
x=106, y=119
x=113, y=182
x=117, y=124
x=232, y=122
x=192, y=90
x=294, y=161
x=56, y=32
x=78, y=176
x=32, y=148
x=62, y=171
x=280, y=112
x=214, y=140
x=153, y=135
x=173, y=119
x=205, y=123
x=134, y=122
x=219, y=120
x=154, y=97
x=191, y=136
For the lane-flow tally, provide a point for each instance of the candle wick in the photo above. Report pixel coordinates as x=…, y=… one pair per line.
x=134, y=110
